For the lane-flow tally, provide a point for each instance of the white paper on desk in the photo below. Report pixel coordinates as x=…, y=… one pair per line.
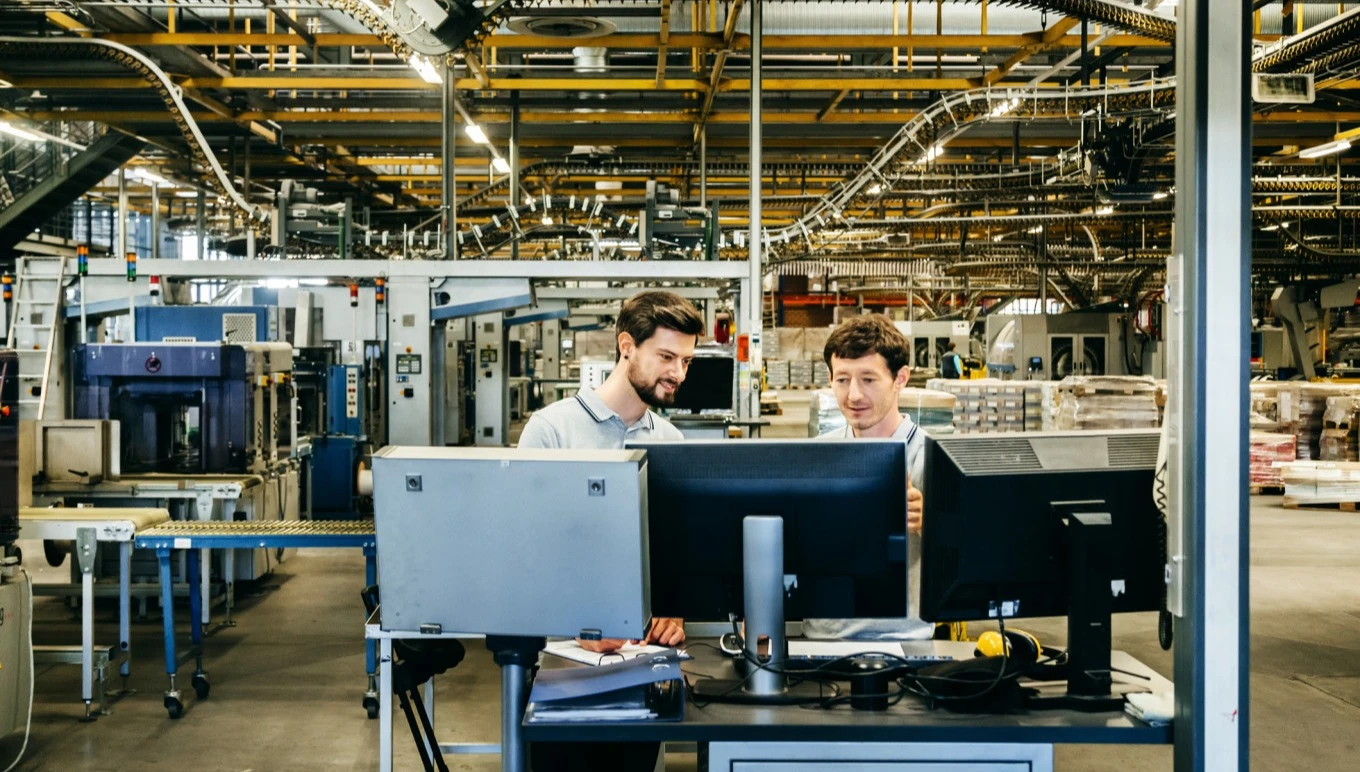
x=843, y=648
x=572, y=650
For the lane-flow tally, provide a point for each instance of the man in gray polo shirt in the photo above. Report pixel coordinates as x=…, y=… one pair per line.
x=656, y=334
x=868, y=358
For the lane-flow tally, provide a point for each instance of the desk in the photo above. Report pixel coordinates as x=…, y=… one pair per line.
x=782, y=736
x=193, y=536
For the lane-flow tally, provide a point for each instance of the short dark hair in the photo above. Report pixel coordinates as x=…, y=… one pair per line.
x=869, y=334
x=951, y=345
x=645, y=312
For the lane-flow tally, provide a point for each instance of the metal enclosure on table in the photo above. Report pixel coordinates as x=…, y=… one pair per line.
x=512, y=542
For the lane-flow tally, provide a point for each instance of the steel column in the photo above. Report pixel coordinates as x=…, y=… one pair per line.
x=514, y=163
x=155, y=221
x=122, y=215
x=1208, y=285
x=448, y=189
x=748, y=375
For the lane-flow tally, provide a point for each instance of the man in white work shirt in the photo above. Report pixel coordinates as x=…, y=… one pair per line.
x=869, y=362
x=656, y=336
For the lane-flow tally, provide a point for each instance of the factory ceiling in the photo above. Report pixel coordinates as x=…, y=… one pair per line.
x=966, y=138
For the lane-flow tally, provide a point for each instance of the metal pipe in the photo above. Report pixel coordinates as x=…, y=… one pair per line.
x=121, y=221
x=448, y=194
x=703, y=165
x=513, y=151
x=202, y=224
x=155, y=221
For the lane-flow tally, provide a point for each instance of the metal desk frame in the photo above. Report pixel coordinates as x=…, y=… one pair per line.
x=194, y=538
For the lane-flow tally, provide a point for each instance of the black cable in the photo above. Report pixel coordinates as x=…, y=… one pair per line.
x=1166, y=632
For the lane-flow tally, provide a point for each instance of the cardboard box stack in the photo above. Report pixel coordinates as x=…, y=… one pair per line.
x=993, y=405
x=1337, y=438
x=1321, y=482
x=777, y=374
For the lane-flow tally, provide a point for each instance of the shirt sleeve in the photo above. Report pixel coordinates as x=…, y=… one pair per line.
x=916, y=460
x=539, y=433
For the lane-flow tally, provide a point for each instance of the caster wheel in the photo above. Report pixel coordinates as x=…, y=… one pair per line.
x=201, y=687
x=371, y=706
x=174, y=707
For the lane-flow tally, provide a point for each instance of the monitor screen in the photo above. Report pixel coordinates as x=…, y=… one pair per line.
x=843, y=503
x=708, y=385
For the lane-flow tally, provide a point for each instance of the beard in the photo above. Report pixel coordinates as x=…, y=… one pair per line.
x=648, y=392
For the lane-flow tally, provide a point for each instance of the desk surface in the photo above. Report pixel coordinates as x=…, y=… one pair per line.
x=908, y=721
x=153, y=485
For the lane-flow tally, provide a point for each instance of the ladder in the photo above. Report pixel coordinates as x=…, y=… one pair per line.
x=769, y=310
x=38, y=292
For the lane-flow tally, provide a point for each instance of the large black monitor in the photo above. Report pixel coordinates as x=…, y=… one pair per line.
x=842, y=503
x=1045, y=524
x=709, y=385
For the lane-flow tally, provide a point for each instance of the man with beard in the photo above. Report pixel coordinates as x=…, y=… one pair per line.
x=656, y=336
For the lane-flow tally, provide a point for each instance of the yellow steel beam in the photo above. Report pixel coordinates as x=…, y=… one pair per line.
x=638, y=41
x=1051, y=38
x=474, y=63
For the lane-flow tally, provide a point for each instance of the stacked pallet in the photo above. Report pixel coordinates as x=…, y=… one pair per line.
x=1337, y=439
x=991, y=405
x=821, y=374
x=1333, y=484
x=1268, y=450
x=1108, y=402
x=777, y=374
x=800, y=373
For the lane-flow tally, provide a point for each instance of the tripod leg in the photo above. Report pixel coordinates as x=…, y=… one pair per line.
x=415, y=728
x=429, y=731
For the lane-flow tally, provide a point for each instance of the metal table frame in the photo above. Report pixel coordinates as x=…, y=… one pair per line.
x=196, y=537
x=86, y=533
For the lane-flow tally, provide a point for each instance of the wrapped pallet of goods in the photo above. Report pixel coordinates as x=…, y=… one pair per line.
x=1268, y=451
x=1329, y=484
x=994, y=405
x=777, y=374
x=1337, y=438
x=1108, y=402
x=800, y=373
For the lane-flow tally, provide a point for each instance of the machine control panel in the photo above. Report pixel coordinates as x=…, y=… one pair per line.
x=408, y=364
x=351, y=392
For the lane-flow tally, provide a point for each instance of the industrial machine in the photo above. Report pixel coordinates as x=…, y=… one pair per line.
x=669, y=230
x=190, y=408
x=206, y=413
x=16, y=594
x=207, y=324
x=930, y=340
x=338, y=451
x=1053, y=346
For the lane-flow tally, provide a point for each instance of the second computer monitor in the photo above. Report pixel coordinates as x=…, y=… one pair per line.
x=843, y=503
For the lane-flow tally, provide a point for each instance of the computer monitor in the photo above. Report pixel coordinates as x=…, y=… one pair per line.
x=1045, y=524
x=708, y=385
x=837, y=506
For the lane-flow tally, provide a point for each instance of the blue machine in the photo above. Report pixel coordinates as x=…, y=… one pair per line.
x=336, y=456
x=207, y=324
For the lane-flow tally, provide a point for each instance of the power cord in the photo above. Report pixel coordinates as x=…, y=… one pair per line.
x=28, y=725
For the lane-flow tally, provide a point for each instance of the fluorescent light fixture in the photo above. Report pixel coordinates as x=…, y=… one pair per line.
x=547, y=219
x=187, y=193
x=476, y=134
x=15, y=131
x=1271, y=228
x=1105, y=210
x=425, y=69
x=1160, y=195
x=875, y=189
x=500, y=165
x=1326, y=148
x=1036, y=229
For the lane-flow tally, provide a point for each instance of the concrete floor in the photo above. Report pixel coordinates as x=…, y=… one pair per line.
x=287, y=681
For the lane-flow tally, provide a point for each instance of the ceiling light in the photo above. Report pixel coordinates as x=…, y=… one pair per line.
x=476, y=134
x=425, y=69
x=1326, y=148
x=1159, y=195
x=547, y=220
x=1003, y=107
x=1271, y=228
x=875, y=189
x=1105, y=210
x=1036, y=229
x=500, y=165
x=15, y=131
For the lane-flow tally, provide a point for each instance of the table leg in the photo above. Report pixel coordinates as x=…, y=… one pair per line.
x=370, y=646
x=172, y=702
x=85, y=552
x=125, y=610
x=385, y=705
x=429, y=712
x=200, y=678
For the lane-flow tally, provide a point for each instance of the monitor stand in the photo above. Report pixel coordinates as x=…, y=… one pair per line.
x=763, y=585
x=1089, y=548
